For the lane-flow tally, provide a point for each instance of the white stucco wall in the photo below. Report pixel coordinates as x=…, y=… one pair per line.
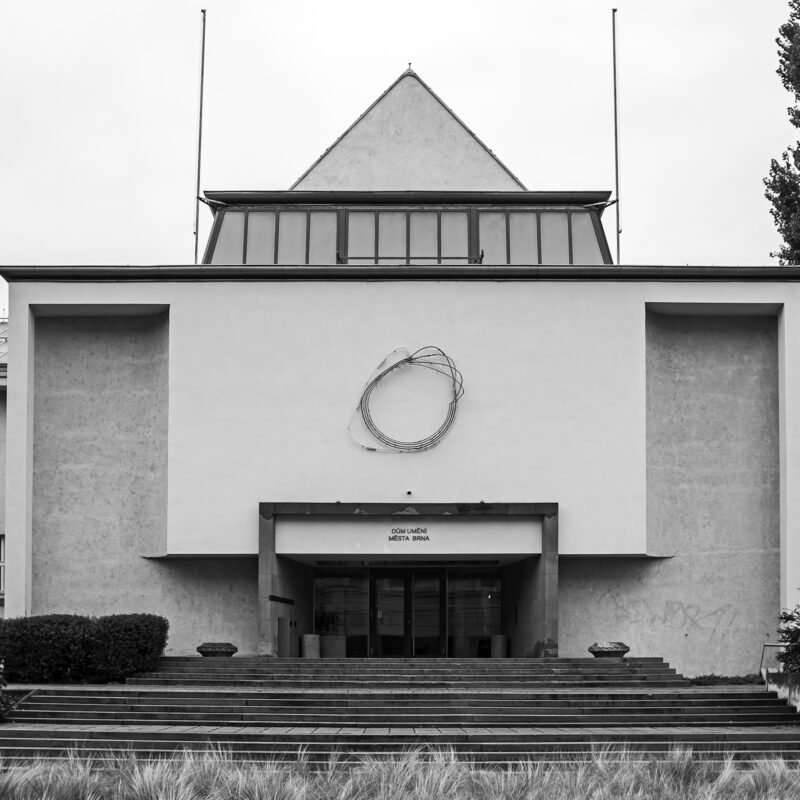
x=712, y=503
x=554, y=404
x=408, y=140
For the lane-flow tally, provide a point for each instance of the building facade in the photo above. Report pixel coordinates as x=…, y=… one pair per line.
x=432, y=412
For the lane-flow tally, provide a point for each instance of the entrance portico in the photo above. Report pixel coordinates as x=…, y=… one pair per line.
x=418, y=579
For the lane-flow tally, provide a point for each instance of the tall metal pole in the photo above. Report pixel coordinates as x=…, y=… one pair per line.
x=199, y=137
x=616, y=125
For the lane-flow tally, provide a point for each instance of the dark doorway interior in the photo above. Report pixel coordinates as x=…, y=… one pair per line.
x=409, y=611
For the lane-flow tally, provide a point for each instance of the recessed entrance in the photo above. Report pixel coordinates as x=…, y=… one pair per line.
x=318, y=561
x=408, y=612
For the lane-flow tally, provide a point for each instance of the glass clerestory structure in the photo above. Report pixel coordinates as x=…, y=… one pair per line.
x=412, y=228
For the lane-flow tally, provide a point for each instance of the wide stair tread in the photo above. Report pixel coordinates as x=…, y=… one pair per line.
x=492, y=712
x=489, y=745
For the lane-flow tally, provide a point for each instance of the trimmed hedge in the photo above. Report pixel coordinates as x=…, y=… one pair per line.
x=67, y=647
x=726, y=680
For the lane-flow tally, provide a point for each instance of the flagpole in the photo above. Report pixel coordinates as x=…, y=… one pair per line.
x=199, y=138
x=616, y=126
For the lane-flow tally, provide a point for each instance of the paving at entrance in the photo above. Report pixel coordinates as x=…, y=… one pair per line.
x=487, y=711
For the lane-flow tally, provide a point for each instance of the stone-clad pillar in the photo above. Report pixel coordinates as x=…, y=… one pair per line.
x=548, y=578
x=267, y=626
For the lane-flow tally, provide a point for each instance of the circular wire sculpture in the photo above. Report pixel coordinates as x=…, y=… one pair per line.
x=431, y=357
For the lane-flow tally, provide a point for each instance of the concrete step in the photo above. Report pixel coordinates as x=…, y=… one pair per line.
x=486, y=675
x=283, y=672
x=405, y=720
x=629, y=695
x=377, y=705
x=480, y=711
x=499, y=760
x=468, y=663
x=409, y=707
x=337, y=734
x=394, y=685
x=718, y=739
x=477, y=674
x=417, y=678
x=429, y=663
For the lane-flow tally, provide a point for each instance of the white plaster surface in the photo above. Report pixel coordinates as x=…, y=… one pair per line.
x=532, y=425
x=100, y=491
x=713, y=503
x=554, y=410
x=412, y=536
x=408, y=140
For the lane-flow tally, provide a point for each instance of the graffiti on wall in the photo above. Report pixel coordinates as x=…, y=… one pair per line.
x=673, y=614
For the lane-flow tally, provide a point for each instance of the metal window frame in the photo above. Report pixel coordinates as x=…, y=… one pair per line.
x=537, y=221
x=473, y=245
x=244, y=236
x=408, y=237
x=308, y=233
x=605, y=249
x=341, y=235
x=217, y=227
x=493, y=210
x=310, y=215
x=569, y=235
x=212, y=236
x=246, y=231
x=404, y=256
x=538, y=237
x=508, y=236
x=293, y=209
x=376, y=246
x=472, y=256
x=345, y=256
x=438, y=236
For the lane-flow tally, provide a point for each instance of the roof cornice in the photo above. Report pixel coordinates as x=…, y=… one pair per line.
x=347, y=272
x=409, y=197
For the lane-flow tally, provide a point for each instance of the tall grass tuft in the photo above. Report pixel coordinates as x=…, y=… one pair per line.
x=413, y=775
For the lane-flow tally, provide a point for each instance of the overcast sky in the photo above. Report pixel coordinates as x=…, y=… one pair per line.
x=99, y=111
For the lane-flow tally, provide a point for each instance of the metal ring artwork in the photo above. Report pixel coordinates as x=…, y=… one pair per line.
x=433, y=358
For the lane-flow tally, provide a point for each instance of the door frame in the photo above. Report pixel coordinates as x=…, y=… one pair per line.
x=408, y=573
x=372, y=641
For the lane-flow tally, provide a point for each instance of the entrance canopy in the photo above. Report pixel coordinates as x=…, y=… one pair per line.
x=409, y=578
x=407, y=538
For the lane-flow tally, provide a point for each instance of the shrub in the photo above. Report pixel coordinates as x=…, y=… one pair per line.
x=68, y=647
x=789, y=634
x=45, y=649
x=125, y=644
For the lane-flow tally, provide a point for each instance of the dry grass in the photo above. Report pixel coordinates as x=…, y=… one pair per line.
x=414, y=775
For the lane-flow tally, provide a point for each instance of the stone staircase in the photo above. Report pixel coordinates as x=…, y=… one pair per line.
x=487, y=711
x=408, y=673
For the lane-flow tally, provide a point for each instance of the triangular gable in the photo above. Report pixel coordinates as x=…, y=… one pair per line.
x=408, y=139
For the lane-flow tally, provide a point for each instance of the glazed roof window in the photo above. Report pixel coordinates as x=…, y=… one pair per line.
x=390, y=233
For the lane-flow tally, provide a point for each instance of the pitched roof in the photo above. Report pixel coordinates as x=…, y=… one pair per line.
x=408, y=139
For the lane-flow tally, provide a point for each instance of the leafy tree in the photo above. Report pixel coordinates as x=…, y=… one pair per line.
x=789, y=634
x=783, y=181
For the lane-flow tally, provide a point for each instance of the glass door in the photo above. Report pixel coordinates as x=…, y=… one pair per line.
x=428, y=617
x=407, y=611
x=391, y=614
